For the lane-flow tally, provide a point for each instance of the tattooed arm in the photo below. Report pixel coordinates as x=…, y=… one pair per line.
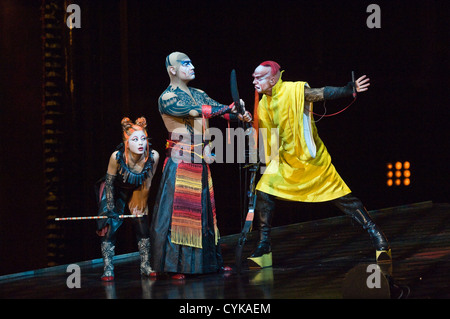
x=180, y=104
x=170, y=103
x=314, y=95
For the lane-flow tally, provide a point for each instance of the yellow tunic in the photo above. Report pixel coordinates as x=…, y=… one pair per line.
x=301, y=170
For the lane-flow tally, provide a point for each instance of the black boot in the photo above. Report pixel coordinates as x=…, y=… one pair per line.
x=353, y=207
x=262, y=255
x=379, y=240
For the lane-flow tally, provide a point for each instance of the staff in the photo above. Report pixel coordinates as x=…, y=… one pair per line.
x=94, y=217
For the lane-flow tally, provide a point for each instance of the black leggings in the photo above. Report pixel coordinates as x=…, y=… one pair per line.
x=140, y=225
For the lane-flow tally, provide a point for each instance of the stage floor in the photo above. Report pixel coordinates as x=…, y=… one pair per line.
x=323, y=259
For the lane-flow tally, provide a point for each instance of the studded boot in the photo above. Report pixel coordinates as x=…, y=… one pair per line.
x=144, y=252
x=107, y=249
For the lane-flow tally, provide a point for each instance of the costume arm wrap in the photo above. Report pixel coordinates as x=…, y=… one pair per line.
x=209, y=111
x=109, y=191
x=232, y=117
x=332, y=93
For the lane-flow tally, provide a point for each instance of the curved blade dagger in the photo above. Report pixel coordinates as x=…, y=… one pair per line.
x=235, y=96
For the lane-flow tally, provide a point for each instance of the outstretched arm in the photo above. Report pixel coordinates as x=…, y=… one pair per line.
x=172, y=104
x=331, y=92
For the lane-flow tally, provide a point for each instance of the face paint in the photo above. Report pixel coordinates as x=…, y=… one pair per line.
x=175, y=58
x=137, y=142
x=186, y=69
x=261, y=80
x=179, y=65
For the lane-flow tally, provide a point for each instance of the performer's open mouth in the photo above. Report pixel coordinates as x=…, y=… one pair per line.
x=140, y=148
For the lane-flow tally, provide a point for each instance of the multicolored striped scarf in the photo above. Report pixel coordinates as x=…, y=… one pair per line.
x=187, y=205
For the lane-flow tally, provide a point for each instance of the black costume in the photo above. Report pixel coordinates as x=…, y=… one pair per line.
x=113, y=194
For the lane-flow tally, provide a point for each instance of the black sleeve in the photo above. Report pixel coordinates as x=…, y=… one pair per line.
x=332, y=92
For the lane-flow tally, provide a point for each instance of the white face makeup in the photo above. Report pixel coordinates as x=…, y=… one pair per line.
x=137, y=142
x=261, y=80
x=186, y=69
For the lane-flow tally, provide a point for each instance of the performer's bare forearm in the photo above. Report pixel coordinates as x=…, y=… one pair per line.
x=314, y=95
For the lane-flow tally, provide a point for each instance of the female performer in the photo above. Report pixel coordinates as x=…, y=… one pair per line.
x=125, y=190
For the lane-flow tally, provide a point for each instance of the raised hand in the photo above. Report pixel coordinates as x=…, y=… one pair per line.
x=362, y=84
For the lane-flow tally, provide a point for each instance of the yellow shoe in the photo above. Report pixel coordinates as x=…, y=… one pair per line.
x=384, y=256
x=261, y=262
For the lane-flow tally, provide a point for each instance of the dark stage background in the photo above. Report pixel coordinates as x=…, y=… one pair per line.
x=113, y=66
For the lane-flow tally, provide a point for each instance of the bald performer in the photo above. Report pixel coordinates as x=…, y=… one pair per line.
x=182, y=107
x=184, y=228
x=302, y=171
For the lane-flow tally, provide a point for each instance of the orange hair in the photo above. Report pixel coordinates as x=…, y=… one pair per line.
x=129, y=128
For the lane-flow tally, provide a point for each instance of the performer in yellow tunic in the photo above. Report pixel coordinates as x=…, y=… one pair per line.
x=299, y=166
